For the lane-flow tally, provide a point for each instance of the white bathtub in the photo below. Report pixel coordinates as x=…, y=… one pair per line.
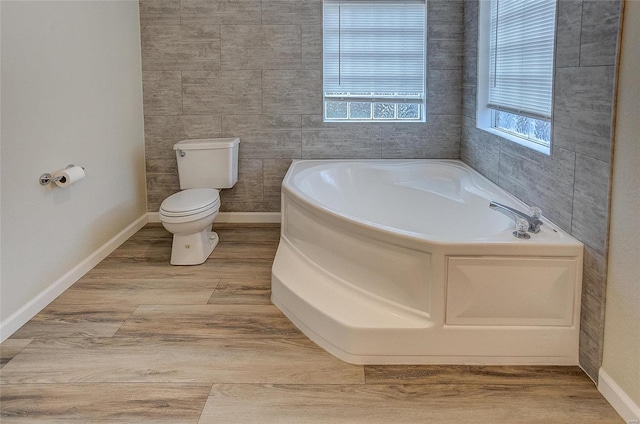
x=403, y=262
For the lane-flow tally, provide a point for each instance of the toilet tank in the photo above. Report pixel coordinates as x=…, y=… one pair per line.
x=207, y=163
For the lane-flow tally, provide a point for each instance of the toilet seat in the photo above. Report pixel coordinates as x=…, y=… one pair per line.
x=190, y=205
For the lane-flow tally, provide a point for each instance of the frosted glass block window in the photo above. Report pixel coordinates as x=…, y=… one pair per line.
x=374, y=60
x=336, y=110
x=359, y=110
x=536, y=130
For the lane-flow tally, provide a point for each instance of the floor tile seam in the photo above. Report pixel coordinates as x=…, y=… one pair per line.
x=115, y=283
x=240, y=304
x=549, y=384
x=65, y=302
x=252, y=244
x=248, y=239
x=119, y=383
x=18, y=353
x=118, y=335
x=207, y=383
x=123, y=322
x=215, y=261
x=160, y=264
x=219, y=258
x=385, y=385
x=555, y=381
x=137, y=305
x=229, y=246
x=192, y=338
x=17, y=338
x=242, y=246
x=209, y=302
x=211, y=384
x=204, y=304
x=204, y=404
x=174, y=338
x=109, y=280
x=311, y=385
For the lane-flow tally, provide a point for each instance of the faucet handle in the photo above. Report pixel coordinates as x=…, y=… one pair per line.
x=522, y=226
x=536, y=219
x=535, y=212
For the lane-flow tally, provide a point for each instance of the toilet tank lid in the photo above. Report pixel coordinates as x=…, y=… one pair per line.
x=207, y=143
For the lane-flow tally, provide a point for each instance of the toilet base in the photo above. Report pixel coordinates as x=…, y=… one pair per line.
x=193, y=249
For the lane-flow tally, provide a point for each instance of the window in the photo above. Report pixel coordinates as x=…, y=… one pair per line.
x=515, y=70
x=374, y=60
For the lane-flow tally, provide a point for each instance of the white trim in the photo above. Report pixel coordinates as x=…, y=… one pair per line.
x=235, y=217
x=621, y=402
x=515, y=139
x=35, y=305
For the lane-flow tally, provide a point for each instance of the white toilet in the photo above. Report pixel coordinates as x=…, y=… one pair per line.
x=204, y=167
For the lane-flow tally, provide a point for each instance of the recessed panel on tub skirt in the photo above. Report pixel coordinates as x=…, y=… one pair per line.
x=510, y=291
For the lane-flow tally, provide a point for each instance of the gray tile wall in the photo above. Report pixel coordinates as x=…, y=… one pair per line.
x=571, y=185
x=253, y=69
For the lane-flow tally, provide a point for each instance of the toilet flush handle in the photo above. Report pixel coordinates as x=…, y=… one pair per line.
x=182, y=153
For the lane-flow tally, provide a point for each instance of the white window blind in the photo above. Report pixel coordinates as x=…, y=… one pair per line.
x=521, y=57
x=374, y=50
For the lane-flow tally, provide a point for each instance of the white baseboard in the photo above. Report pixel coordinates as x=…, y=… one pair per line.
x=236, y=217
x=29, y=310
x=621, y=402
x=153, y=217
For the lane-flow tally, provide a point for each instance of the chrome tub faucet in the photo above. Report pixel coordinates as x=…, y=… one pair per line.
x=533, y=219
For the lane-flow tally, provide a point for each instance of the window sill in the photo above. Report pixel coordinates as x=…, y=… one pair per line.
x=521, y=141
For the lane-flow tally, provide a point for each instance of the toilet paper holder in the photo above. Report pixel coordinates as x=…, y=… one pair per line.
x=46, y=178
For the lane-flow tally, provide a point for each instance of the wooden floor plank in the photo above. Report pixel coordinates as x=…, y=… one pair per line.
x=248, y=233
x=10, y=348
x=208, y=321
x=119, y=296
x=161, y=252
x=239, y=268
x=60, y=319
x=102, y=403
x=112, y=283
x=241, y=250
x=141, y=271
x=243, y=291
x=129, y=253
x=182, y=329
x=131, y=360
x=216, y=269
x=371, y=404
x=472, y=374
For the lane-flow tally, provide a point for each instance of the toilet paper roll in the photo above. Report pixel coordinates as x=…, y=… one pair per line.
x=69, y=176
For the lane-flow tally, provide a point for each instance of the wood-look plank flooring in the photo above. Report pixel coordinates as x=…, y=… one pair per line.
x=137, y=340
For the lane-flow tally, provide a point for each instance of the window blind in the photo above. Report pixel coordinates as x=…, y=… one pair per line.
x=521, y=57
x=374, y=50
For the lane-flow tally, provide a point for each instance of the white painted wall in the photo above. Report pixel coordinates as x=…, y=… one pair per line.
x=622, y=322
x=71, y=84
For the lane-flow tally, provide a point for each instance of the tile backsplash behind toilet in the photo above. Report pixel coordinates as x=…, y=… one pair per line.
x=253, y=69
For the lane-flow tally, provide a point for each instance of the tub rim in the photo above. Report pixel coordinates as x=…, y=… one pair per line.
x=561, y=238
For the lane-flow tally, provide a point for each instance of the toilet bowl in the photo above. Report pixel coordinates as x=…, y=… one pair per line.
x=205, y=166
x=189, y=215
